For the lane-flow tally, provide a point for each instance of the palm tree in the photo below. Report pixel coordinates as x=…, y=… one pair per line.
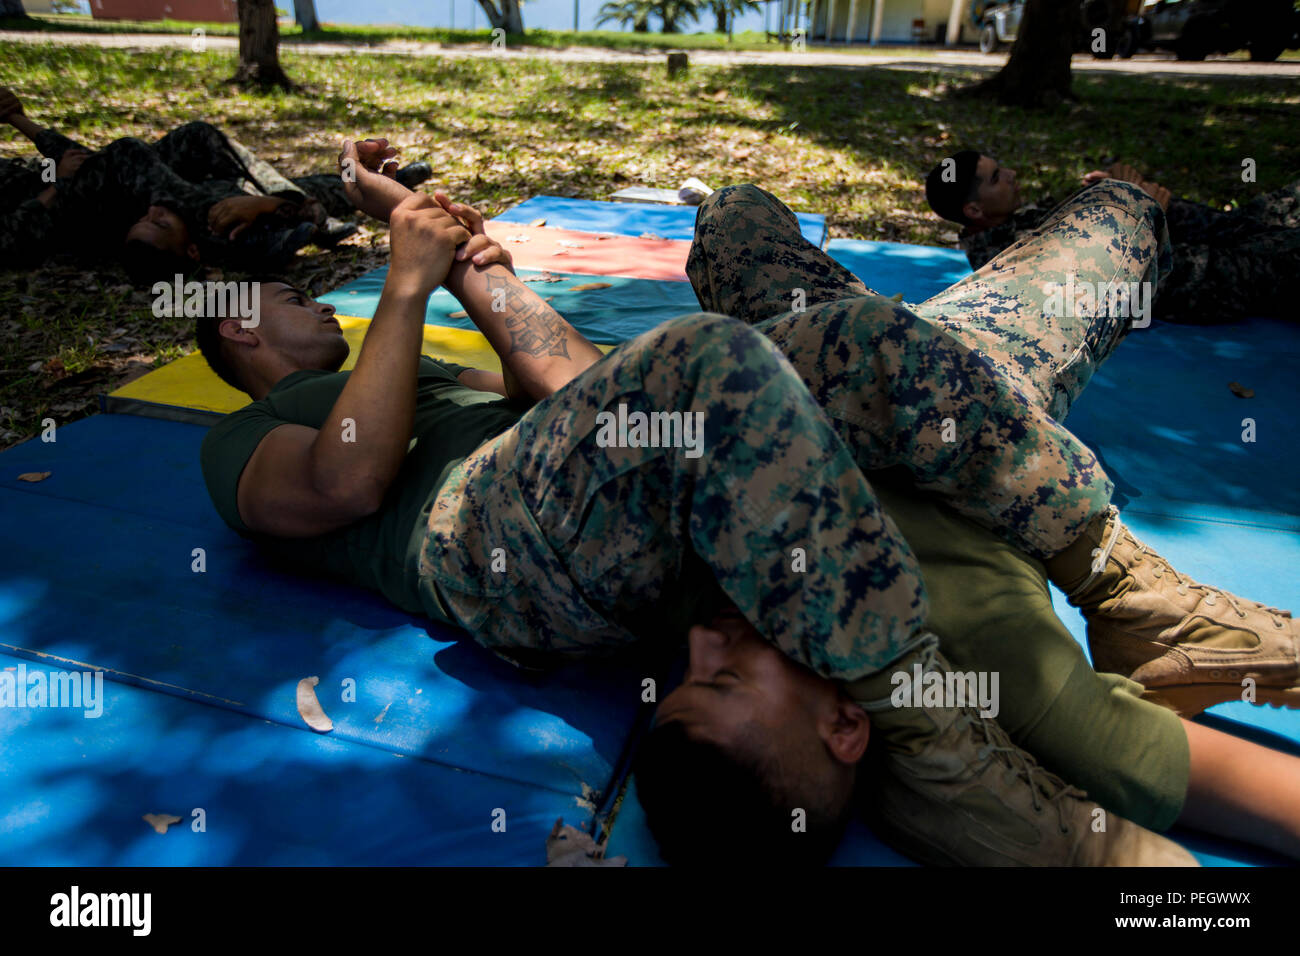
x=635, y=12
x=726, y=11
x=673, y=13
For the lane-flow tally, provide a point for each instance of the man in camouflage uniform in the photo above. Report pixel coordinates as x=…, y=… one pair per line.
x=548, y=541
x=623, y=532
x=1225, y=265
x=204, y=198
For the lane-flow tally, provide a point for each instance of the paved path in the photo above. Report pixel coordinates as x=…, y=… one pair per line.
x=896, y=58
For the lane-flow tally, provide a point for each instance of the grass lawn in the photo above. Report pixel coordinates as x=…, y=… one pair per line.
x=375, y=34
x=850, y=142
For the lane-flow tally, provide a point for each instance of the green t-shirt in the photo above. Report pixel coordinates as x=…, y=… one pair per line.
x=379, y=551
x=992, y=608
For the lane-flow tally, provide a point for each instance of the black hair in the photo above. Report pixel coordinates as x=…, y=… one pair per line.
x=207, y=332
x=947, y=194
x=707, y=804
x=146, y=264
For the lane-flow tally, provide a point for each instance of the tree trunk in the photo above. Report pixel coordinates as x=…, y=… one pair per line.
x=507, y=16
x=1038, y=71
x=12, y=9
x=304, y=14
x=720, y=15
x=259, y=46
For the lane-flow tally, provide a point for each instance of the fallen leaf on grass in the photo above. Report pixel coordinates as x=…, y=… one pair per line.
x=160, y=821
x=34, y=475
x=590, y=285
x=309, y=708
x=1241, y=391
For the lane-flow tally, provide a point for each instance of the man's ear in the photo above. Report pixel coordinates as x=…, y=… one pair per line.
x=847, y=732
x=973, y=211
x=233, y=330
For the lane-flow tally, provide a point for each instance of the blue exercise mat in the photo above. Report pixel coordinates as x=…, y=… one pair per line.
x=630, y=218
x=97, y=568
x=918, y=272
x=1170, y=430
x=632, y=306
x=75, y=790
x=606, y=316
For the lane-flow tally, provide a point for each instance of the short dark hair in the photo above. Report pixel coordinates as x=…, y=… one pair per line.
x=711, y=805
x=207, y=332
x=146, y=264
x=948, y=194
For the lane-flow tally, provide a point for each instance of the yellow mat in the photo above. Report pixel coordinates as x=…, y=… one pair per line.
x=188, y=390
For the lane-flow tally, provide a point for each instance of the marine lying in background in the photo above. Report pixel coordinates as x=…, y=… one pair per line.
x=194, y=197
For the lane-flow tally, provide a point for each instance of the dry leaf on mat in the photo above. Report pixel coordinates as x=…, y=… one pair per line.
x=34, y=475
x=1241, y=391
x=569, y=846
x=538, y=222
x=590, y=285
x=160, y=821
x=309, y=708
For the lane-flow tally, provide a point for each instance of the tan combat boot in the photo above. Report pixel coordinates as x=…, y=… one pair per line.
x=951, y=789
x=1190, y=645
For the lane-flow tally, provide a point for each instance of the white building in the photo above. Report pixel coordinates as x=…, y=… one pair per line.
x=891, y=21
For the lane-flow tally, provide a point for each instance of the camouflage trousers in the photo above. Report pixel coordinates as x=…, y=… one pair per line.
x=750, y=261
x=1230, y=265
x=546, y=541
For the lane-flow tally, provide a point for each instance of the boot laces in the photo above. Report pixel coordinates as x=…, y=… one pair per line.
x=1183, y=583
x=1212, y=594
x=1044, y=786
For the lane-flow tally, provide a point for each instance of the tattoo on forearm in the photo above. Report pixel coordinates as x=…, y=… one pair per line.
x=535, y=328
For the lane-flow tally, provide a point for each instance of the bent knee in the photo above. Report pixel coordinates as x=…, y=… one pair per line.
x=710, y=337
x=1127, y=196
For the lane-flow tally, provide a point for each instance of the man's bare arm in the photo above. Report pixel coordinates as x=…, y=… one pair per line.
x=483, y=381
x=540, y=351
x=537, y=346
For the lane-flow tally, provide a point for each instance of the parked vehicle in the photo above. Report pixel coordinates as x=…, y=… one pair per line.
x=999, y=24
x=1193, y=29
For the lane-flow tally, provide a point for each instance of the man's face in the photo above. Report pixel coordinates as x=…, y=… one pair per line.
x=999, y=191
x=292, y=329
x=735, y=679
x=164, y=230
x=300, y=329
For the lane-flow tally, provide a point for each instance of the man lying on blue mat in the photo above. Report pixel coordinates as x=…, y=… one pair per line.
x=1226, y=265
x=545, y=532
